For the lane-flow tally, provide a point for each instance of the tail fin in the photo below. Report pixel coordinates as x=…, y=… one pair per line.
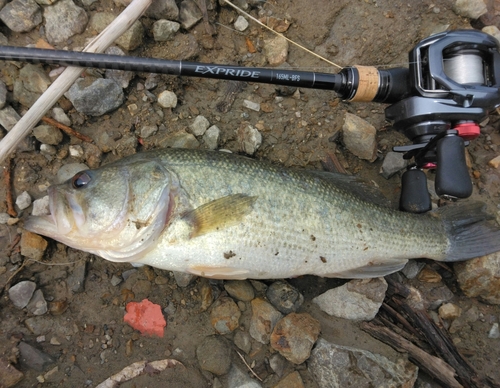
x=469, y=233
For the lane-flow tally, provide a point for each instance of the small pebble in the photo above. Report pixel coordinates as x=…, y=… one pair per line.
x=76, y=151
x=241, y=24
x=199, y=126
x=167, y=99
x=20, y=294
x=251, y=105
x=41, y=206
x=449, y=311
x=23, y=200
x=494, y=331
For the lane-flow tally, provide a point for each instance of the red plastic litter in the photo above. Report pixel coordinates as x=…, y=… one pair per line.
x=145, y=317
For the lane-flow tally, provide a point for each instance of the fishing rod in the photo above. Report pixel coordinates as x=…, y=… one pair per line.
x=438, y=102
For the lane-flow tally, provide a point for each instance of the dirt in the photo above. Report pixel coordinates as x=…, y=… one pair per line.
x=299, y=132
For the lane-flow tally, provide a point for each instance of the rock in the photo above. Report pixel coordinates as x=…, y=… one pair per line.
x=335, y=366
x=4, y=218
x=264, y=318
x=472, y=9
x=236, y=378
x=163, y=9
x=130, y=40
x=180, y=140
x=211, y=137
x=41, y=206
x=199, y=126
x=96, y=99
x=494, y=331
x=480, y=277
x=76, y=151
x=152, y=82
x=164, y=30
x=148, y=130
x=428, y=275
x=9, y=375
x=33, y=246
x=48, y=134
x=278, y=363
x=293, y=380
x=67, y=171
x=76, y=278
x=183, y=279
x=214, y=355
x=9, y=117
x=166, y=99
x=357, y=299
x=189, y=14
x=37, y=304
x=23, y=200
x=243, y=341
x=21, y=293
x=3, y=96
x=33, y=358
x=495, y=162
x=225, y=315
x=121, y=77
x=255, y=106
x=59, y=115
x=240, y=290
x=241, y=24
x=493, y=31
x=449, y=311
x=30, y=85
x=294, y=336
x=284, y=297
x=393, y=163
x=360, y=137
x=412, y=268
x=249, y=138
x=21, y=15
x=49, y=151
x=63, y=20
x=437, y=296
x=276, y=50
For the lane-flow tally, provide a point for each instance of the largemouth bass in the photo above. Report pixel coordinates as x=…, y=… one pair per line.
x=220, y=215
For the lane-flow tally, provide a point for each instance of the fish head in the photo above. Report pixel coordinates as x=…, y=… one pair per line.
x=117, y=211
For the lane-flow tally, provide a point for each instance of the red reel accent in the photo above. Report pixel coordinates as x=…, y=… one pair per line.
x=468, y=131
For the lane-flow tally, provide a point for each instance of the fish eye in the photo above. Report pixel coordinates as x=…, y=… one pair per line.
x=80, y=180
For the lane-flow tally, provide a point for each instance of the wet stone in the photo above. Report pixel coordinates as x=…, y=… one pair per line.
x=360, y=137
x=164, y=30
x=163, y=9
x=294, y=336
x=211, y=137
x=48, y=134
x=166, y=99
x=33, y=246
x=199, y=126
x=64, y=19
x=21, y=293
x=96, y=99
x=37, y=304
x=21, y=15
x=189, y=14
x=214, y=355
x=121, y=77
x=243, y=341
x=284, y=297
x=276, y=50
x=33, y=358
x=23, y=200
x=236, y=378
x=225, y=315
x=60, y=116
x=331, y=366
x=357, y=299
x=240, y=290
x=264, y=318
x=9, y=117
x=9, y=375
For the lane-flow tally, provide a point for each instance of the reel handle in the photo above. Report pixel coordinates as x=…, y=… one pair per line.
x=452, y=174
x=414, y=197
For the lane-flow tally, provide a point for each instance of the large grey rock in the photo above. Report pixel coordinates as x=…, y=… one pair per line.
x=264, y=318
x=20, y=294
x=335, y=366
x=21, y=15
x=163, y=9
x=236, y=378
x=96, y=99
x=360, y=137
x=63, y=20
x=214, y=355
x=121, y=77
x=393, y=163
x=357, y=299
x=33, y=357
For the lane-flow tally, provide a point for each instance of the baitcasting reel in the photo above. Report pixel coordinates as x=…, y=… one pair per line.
x=450, y=86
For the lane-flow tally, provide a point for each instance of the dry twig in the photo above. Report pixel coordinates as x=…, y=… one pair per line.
x=11, y=211
x=248, y=366
x=66, y=129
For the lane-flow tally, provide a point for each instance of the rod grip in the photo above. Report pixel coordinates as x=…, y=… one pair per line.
x=452, y=173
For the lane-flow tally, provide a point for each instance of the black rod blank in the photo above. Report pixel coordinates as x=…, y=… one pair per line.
x=173, y=67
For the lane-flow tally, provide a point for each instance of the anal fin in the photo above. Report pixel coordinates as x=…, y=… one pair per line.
x=369, y=271
x=219, y=214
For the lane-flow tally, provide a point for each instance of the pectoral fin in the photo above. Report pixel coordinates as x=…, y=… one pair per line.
x=219, y=214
